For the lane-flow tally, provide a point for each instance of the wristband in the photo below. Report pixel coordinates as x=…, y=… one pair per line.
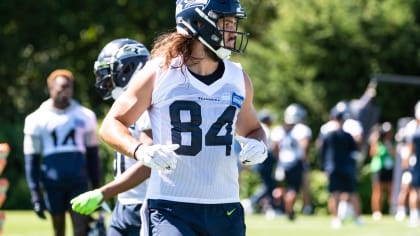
x=135, y=150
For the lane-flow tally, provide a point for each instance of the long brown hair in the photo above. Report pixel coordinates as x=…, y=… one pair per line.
x=173, y=44
x=170, y=45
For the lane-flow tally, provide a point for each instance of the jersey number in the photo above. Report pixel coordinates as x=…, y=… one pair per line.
x=70, y=136
x=212, y=137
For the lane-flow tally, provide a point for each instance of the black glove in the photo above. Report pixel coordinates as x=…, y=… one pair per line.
x=39, y=208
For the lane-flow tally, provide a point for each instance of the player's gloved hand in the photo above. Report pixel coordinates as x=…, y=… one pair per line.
x=158, y=156
x=39, y=208
x=253, y=151
x=86, y=203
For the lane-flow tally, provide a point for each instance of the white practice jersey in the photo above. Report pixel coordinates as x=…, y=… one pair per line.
x=52, y=131
x=201, y=118
x=289, y=149
x=137, y=194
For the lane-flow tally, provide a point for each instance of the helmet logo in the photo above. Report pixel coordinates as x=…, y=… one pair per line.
x=186, y=4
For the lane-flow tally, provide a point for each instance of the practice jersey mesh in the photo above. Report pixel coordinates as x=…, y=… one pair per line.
x=201, y=118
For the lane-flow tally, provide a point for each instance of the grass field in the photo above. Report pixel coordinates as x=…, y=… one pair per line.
x=25, y=223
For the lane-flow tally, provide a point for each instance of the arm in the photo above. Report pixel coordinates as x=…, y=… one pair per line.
x=406, y=154
x=134, y=176
x=247, y=123
x=93, y=166
x=126, y=110
x=32, y=149
x=32, y=171
x=304, y=144
x=372, y=149
x=88, y=202
x=251, y=135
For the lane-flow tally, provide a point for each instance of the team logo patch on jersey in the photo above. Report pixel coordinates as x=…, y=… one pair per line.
x=79, y=122
x=237, y=100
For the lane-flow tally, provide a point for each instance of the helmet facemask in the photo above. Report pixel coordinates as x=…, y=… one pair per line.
x=201, y=22
x=116, y=64
x=104, y=83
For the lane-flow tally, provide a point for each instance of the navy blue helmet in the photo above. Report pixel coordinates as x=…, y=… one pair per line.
x=198, y=18
x=116, y=63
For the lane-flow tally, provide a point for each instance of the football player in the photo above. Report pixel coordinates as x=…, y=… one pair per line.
x=197, y=101
x=116, y=64
x=61, y=153
x=290, y=147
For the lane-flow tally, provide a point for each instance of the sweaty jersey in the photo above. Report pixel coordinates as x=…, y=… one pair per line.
x=61, y=137
x=122, y=163
x=201, y=118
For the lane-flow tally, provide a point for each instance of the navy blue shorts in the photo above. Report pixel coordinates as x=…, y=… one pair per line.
x=415, y=172
x=342, y=182
x=178, y=219
x=383, y=175
x=57, y=199
x=294, y=177
x=125, y=220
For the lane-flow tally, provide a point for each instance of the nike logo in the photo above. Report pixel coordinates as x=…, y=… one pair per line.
x=229, y=213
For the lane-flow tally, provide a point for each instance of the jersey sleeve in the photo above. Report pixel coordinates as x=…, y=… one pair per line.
x=303, y=132
x=91, y=138
x=277, y=134
x=32, y=140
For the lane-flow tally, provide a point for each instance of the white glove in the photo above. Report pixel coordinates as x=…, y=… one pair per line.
x=158, y=157
x=253, y=151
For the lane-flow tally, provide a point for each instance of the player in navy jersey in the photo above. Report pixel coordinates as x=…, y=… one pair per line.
x=338, y=153
x=116, y=64
x=198, y=101
x=61, y=153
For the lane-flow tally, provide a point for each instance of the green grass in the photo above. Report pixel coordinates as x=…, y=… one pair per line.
x=319, y=225
x=25, y=223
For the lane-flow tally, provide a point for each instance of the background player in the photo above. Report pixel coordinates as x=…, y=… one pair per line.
x=290, y=147
x=63, y=133
x=116, y=64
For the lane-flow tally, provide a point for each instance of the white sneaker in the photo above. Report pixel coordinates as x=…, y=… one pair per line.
x=400, y=216
x=376, y=216
x=270, y=214
x=336, y=223
x=414, y=218
x=342, y=209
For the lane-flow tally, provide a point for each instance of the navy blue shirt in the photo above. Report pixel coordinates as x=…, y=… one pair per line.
x=336, y=152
